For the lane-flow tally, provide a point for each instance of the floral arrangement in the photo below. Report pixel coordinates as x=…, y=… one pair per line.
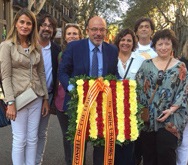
x=126, y=110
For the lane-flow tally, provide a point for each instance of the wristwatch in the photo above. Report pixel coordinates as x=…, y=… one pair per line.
x=10, y=102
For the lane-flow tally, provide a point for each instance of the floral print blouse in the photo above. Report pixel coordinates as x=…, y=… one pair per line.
x=171, y=92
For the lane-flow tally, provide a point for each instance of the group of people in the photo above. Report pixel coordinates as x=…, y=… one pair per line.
x=136, y=55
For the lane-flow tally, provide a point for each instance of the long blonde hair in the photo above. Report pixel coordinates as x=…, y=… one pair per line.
x=185, y=50
x=33, y=36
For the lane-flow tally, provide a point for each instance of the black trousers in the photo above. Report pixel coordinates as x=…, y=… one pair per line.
x=68, y=147
x=159, y=148
x=98, y=155
x=138, y=151
x=124, y=154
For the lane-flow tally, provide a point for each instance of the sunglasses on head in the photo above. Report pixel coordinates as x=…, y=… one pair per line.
x=71, y=24
x=160, y=77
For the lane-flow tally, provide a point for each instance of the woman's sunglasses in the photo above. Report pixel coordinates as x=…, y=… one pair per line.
x=160, y=77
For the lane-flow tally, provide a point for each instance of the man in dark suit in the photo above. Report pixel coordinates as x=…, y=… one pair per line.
x=50, y=50
x=78, y=60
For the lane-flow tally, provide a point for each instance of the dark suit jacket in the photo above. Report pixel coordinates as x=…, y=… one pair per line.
x=55, y=50
x=76, y=61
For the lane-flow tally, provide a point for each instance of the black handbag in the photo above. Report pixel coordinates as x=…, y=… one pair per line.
x=3, y=120
x=3, y=107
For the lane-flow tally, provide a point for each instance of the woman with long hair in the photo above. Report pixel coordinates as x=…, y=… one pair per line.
x=72, y=32
x=22, y=68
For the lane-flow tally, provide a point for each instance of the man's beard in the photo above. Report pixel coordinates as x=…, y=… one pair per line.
x=45, y=36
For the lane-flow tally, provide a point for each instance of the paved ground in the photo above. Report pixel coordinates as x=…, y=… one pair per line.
x=54, y=154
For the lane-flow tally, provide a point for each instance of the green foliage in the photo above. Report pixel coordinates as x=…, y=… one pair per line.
x=165, y=14
x=105, y=8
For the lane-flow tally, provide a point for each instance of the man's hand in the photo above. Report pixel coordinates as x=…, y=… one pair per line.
x=45, y=108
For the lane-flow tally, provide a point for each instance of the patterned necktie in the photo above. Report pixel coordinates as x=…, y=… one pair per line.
x=94, y=67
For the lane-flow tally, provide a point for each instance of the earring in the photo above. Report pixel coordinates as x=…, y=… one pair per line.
x=172, y=53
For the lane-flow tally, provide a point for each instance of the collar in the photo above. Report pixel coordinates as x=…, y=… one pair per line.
x=133, y=55
x=47, y=46
x=144, y=46
x=91, y=46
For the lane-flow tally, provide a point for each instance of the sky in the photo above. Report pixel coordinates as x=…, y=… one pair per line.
x=124, y=6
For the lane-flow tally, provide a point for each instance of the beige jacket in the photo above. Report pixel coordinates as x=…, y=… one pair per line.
x=15, y=71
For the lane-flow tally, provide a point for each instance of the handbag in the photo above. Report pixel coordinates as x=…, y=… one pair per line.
x=145, y=110
x=3, y=119
x=145, y=114
x=3, y=107
x=59, y=99
x=27, y=96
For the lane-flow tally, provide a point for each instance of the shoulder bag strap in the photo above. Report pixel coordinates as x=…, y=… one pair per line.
x=153, y=94
x=128, y=68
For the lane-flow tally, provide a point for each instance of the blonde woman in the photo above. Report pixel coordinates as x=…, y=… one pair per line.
x=17, y=54
x=72, y=32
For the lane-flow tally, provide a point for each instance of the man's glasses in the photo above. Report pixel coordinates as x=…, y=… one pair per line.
x=45, y=25
x=94, y=30
x=160, y=77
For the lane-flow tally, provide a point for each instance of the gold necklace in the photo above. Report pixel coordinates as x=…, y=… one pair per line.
x=124, y=64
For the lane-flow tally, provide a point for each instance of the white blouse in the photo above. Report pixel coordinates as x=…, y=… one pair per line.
x=136, y=63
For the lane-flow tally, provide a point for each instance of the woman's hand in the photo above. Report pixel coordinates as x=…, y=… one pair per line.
x=166, y=113
x=11, y=112
x=45, y=108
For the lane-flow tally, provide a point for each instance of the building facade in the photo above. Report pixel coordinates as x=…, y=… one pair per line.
x=63, y=10
x=5, y=18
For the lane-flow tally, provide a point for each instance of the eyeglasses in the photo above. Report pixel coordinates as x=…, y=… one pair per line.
x=94, y=30
x=160, y=77
x=44, y=25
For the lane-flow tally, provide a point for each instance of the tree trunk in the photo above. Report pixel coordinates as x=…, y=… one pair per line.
x=38, y=6
x=30, y=4
x=181, y=30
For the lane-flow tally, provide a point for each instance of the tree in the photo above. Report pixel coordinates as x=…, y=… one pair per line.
x=109, y=9
x=38, y=6
x=166, y=14
x=88, y=8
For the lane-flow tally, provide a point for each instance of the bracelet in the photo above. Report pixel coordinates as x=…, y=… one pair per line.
x=171, y=112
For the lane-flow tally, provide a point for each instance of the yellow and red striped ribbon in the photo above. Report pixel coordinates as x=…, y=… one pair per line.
x=79, y=141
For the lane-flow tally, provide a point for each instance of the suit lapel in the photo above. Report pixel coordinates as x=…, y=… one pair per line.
x=52, y=57
x=105, y=60
x=86, y=58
